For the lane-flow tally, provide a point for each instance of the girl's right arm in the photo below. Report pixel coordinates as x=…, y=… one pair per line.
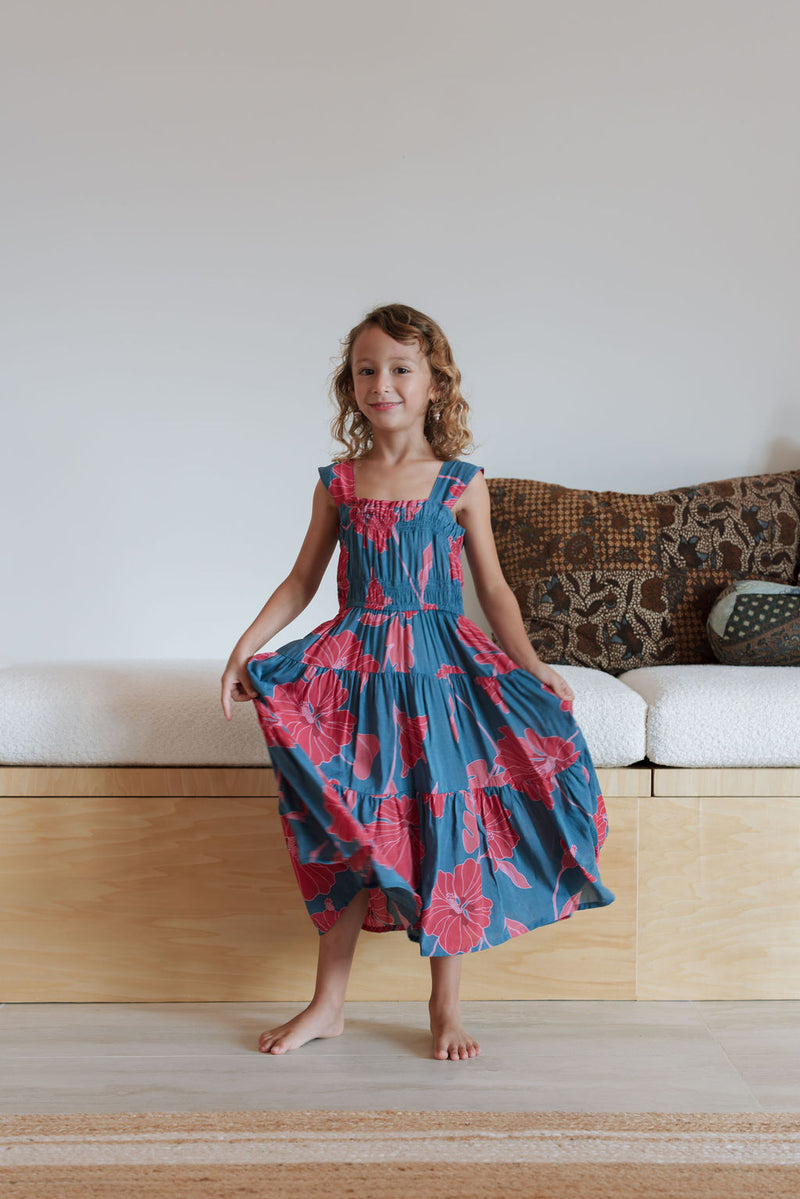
x=288, y=600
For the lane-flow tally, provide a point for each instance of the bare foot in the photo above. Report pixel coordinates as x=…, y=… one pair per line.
x=450, y=1039
x=312, y=1022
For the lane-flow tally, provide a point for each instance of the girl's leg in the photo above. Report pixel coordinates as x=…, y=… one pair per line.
x=324, y=1016
x=450, y=1040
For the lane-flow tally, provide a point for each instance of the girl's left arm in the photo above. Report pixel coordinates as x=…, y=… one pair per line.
x=473, y=513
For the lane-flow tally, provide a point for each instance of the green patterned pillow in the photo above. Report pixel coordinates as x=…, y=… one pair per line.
x=756, y=623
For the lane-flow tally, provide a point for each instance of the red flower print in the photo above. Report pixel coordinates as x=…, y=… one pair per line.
x=458, y=911
x=491, y=685
x=340, y=651
x=500, y=837
x=451, y=715
x=570, y=906
x=343, y=825
x=425, y=570
x=470, y=834
x=339, y=486
x=533, y=761
x=488, y=653
x=326, y=919
x=376, y=596
x=394, y=836
x=323, y=628
x=412, y=734
x=313, y=878
x=519, y=880
x=515, y=928
x=308, y=714
x=454, y=557
x=342, y=584
x=367, y=745
x=435, y=800
x=445, y=669
x=601, y=822
x=454, y=490
x=400, y=644
x=375, y=524
x=568, y=862
x=479, y=775
x=377, y=917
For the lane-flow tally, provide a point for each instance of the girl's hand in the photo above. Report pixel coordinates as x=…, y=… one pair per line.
x=237, y=686
x=554, y=681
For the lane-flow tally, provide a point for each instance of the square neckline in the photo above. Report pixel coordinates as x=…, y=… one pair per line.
x=364, y=499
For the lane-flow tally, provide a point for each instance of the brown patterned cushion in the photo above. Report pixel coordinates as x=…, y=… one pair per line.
x=616, y=580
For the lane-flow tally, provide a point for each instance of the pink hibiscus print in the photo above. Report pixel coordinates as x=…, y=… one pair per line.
x=488, y=653
x=375, y=524
x=314, y=878
x=533, y=761
x=458, y=911
x=454, y=557
x=340, y=483
x=491, y=685
x=500, y=836
x=394, y=835
x=400, y=643
x=340, y=651
x=308, y=714
x=412, y=734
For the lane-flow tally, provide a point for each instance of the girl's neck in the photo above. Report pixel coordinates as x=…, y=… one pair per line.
x=400, y=451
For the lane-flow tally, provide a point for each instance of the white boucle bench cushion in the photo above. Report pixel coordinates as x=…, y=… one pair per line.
x=137, y=712
x=714, y=715
x=611, y=716
x=167, y=712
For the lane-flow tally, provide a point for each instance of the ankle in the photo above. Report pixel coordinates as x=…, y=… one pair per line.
x=331, y=1004
x=444, y=1004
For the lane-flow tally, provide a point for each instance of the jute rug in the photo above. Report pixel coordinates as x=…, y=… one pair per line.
x=400, y=1155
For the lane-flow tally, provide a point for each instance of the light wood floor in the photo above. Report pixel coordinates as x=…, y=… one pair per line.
x=570, y=1055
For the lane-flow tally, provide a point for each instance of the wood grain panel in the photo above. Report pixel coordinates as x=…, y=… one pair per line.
x=129, y=781
x=719, y=879
x=753, y=781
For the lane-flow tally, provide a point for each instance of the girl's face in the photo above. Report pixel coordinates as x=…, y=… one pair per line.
x=392, y=380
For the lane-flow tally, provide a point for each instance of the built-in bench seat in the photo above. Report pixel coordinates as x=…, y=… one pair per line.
x=142, y=857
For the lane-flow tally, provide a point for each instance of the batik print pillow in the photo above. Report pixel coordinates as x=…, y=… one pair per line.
x=616, y=581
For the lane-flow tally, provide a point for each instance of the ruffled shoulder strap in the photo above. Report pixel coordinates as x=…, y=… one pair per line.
x=338, y=478
x=453, y=478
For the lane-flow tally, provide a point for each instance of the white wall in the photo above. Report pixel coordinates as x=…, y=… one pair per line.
x=597, y=199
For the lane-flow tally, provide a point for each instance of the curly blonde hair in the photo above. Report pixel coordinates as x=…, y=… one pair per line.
x=446, y=427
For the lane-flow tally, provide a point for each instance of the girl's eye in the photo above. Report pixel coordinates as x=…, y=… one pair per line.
x=367, y=370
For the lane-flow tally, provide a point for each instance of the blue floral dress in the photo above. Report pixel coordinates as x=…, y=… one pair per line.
x=413, y=757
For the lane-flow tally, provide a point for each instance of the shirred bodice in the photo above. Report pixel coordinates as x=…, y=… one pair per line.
x=400, y=555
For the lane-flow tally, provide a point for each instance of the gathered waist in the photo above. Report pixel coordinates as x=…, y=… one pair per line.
x=389, y=600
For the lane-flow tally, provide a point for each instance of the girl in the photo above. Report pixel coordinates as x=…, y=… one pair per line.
x=430, y=780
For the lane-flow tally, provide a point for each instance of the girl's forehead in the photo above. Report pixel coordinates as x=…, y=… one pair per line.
x=375, y=341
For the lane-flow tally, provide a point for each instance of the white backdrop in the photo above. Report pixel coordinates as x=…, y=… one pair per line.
x=597, y=199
